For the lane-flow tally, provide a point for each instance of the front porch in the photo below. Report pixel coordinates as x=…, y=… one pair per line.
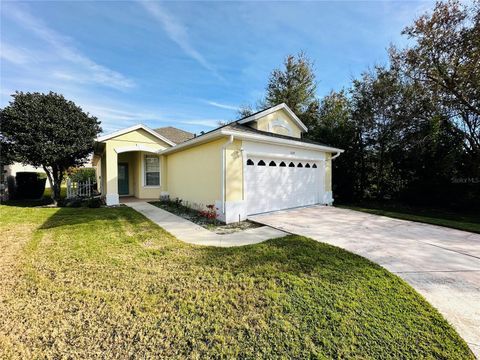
x=132, y=199
x=129, y=175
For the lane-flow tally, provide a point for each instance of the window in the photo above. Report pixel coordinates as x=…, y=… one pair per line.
x=152, y=170
x=291, y=164
x=272, y=163
x=282, y=164
x=299, y=165
x=250, y=162
x=308, y=165
x=261, y=163
x=314, y=166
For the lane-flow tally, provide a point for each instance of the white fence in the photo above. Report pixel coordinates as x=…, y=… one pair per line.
x=80, y=189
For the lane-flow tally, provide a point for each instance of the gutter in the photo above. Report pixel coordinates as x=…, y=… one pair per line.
x=224, y=148
x=336, y=155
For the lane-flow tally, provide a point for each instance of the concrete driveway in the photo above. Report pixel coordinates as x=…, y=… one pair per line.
x=441, y=264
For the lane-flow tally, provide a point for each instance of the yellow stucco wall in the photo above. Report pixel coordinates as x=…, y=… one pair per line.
x=264, y=122
x=194, y=175
x=234, y=171
x=328, y=172
x=148, y=192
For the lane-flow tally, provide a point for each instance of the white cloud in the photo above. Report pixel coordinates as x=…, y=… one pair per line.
x=13, y=54
x=222, y=106
x=177, y=33
x=96, y=73
x=212, y=123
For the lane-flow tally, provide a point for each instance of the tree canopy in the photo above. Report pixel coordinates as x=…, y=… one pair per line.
x=410, y=128
x=48, y=131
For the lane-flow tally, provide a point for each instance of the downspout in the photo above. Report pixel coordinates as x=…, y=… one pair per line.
x=224, y=148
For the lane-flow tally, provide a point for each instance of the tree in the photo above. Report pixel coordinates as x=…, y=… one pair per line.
x=337, y=128
x=295, y=86
x=48, y=131
x=445, y=57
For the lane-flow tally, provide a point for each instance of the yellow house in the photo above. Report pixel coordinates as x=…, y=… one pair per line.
x=256, y=164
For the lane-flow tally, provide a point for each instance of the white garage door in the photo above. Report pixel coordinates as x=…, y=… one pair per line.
x=275, y=184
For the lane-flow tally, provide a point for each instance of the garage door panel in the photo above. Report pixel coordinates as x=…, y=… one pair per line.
x=270, y=188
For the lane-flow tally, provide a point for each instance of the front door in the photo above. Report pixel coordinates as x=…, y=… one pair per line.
x=123, y=179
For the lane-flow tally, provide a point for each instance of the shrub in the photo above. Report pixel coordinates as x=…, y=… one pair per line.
x=29, y=185
x=74, y=203
x=210, y=214
x=94, y=202
x=82, y=174
x=177, y=202
x=11, y=187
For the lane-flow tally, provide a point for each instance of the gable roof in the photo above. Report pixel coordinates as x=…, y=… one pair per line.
x=134, y=128
x=246, y=132
x=174, y=134
x=270, y=110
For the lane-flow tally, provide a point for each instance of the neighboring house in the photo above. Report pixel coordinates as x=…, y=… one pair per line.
x=12, y=169
x=256, y=164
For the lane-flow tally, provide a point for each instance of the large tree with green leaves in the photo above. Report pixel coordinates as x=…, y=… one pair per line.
x=445, y=58
x=294, y=85
x=48, y=131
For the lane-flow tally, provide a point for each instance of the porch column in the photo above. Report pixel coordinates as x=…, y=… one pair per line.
x=111, y=177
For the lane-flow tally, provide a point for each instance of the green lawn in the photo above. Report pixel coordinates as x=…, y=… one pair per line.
x=467, y=221
x=63, y=192
x=108, y=283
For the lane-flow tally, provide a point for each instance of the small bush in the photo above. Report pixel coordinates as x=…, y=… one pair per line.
x=94, y=202
x=74, y=203
x=29, y=185
x=82, y=174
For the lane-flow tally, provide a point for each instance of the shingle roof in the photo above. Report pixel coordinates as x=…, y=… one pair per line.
x=235, y=125
x=174, y=134
x=246, y=128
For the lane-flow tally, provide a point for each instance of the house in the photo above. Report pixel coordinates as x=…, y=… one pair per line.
x=13, y=169
x=256, y=164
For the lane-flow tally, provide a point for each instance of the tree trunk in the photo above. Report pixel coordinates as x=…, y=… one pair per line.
x=55, y=182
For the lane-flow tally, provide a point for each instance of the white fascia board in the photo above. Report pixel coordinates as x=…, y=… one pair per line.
x=274, y=140
x=253, y=137
x=133, y=128
x=272, y=110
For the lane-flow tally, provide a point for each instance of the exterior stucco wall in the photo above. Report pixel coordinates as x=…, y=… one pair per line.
x=194, y=175
x=142, y=191
x=267, y=123
x=234, y=172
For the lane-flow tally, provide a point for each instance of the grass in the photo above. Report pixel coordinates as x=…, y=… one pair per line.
x=108, y=283
x=63, y=192
x=467, y=221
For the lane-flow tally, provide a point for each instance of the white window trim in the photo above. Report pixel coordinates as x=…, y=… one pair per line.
x=144, y=185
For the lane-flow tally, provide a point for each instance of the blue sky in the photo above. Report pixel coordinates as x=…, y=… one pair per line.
x=186, y=64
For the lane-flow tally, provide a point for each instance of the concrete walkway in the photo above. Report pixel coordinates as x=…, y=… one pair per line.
x=442, y=264
x=192, y=233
